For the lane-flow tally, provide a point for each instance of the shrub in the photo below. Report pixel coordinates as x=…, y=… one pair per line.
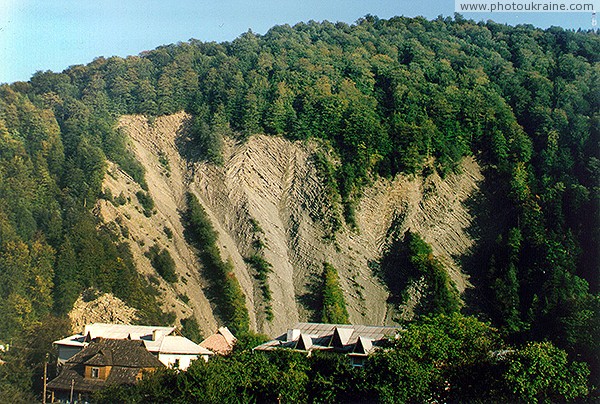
x=146, y=201
x=162, y=261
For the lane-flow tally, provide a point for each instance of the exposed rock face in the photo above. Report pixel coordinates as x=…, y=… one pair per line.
x=271, y=183
x=105, y=308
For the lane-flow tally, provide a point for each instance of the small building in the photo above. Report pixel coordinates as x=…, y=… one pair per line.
x=171, y=349
x=355, y=341
x=103, y=362
x=178, y=352
x=221, y=342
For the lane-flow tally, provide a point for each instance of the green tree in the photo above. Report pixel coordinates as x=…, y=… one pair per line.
x=66, y=274
x=227, y=292
x=440, y=358
x=541, y=372
x=162, y=261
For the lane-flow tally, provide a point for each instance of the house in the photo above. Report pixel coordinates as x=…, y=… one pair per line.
x=101, y=363
x=355, y=341
x=221, y=342
x=172, y=350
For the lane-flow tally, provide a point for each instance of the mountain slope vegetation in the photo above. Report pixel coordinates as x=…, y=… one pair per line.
x=380, y=98
x=274, y=214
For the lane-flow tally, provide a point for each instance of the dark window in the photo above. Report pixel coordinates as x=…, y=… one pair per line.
x=358, y=361
x=95, y=373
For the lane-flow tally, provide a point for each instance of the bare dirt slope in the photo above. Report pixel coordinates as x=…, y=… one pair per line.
x=270, y=184
x=167, y=188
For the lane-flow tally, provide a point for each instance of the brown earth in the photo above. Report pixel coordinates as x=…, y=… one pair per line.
x=271, y=182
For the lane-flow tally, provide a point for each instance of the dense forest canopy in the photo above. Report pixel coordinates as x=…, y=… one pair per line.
x=404, y=95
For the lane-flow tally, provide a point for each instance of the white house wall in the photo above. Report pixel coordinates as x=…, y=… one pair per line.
x=169, y=360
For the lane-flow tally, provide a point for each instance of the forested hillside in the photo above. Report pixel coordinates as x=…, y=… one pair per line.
x=383, y=97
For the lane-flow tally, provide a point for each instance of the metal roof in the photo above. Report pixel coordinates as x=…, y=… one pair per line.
x=174, y=344
x=337, y=337
x=123, y=331
x=156, y=339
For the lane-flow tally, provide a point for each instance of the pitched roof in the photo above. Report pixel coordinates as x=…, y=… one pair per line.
x=341, y=336
x=351, y=339
x=363, y=346
x=374, y=332
x=123, y=331
x=117, y=352
x=221, y=342
x=304, y=342
x=156, y=339
x=100, y=359
x=127, y=359
x=174, y=344
x=224, y=331
x=152, y=335
x=75, y=373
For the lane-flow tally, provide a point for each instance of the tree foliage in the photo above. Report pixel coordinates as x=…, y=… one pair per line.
x=401, y=95
x=225, y=290
x=442, y=358
x=334, y=306
x=162, y=261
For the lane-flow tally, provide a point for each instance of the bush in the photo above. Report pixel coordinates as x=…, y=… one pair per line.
x=168, y=232
x=146, y=201
x=162, y=261
x=191, y=330
x=541, y=372
x=262, y=268
x=115, y=147
x=120, y=200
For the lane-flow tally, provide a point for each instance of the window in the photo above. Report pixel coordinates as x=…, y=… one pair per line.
x=176, y=364
x=357, y=361
x=95, y=373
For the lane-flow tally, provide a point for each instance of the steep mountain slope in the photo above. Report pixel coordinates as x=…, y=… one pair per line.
x=269, y=189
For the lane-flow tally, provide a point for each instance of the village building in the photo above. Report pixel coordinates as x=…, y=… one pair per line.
x=355, y=341
x=101, y=363
x=171, y=349
x=221, y=342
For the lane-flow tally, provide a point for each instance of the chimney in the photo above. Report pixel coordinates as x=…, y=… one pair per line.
x=154, y=335
x=292, y=334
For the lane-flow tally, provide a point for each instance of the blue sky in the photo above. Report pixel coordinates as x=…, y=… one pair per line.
x=54, y=34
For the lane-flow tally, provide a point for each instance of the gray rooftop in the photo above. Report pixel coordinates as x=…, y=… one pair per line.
x=335, y=337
